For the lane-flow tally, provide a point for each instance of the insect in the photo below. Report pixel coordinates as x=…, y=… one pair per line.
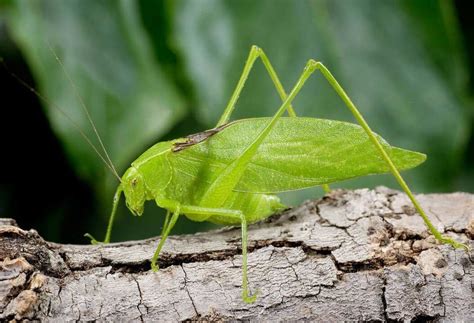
x=230, y=174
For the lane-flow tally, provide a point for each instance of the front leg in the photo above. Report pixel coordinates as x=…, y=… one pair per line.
x=117, y=195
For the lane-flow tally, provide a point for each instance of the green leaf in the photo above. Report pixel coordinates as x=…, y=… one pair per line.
x=371, y=47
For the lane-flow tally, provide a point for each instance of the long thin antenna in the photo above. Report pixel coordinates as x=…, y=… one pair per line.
x=84, y=108
x=74, y=124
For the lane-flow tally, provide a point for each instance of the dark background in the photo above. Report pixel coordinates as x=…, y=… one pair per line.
x=40, y=187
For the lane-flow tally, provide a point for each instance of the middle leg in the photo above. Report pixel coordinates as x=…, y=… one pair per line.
x=232, y=215
x=165, y=232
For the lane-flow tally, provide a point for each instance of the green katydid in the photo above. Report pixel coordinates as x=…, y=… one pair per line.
x=230, y=174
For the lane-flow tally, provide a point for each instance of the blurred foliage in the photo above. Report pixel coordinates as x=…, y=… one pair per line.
x=152, y=70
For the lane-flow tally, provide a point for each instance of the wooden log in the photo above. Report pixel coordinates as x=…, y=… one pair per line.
x=352, y=255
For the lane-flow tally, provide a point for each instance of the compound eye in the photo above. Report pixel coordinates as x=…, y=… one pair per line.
x=134, y=182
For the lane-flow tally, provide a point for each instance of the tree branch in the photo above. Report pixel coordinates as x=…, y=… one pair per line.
x=352, y=255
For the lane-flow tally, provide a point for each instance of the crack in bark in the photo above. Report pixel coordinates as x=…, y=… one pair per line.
x=141, y=298
x=291, y=266
x=440, y=291
x=220, y=255
x=187, y=291
x=384, y=299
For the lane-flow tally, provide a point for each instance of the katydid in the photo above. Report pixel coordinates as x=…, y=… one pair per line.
x=230, y=174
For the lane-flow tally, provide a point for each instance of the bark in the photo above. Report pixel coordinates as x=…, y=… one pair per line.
x=352, y=255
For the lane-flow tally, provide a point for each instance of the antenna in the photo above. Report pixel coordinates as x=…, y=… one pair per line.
x=74, y=124
x=84, y=108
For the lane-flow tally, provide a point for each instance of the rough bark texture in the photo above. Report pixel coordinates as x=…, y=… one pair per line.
x=352, y=255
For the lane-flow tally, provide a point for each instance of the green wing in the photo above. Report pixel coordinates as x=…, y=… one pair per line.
x=298, y=153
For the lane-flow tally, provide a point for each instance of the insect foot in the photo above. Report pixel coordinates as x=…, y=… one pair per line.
x=154, y=267
x=249, y=299
x=93, y=240
x=454, y=243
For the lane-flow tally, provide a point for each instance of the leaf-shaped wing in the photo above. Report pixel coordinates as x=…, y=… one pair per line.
x=298, y=153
